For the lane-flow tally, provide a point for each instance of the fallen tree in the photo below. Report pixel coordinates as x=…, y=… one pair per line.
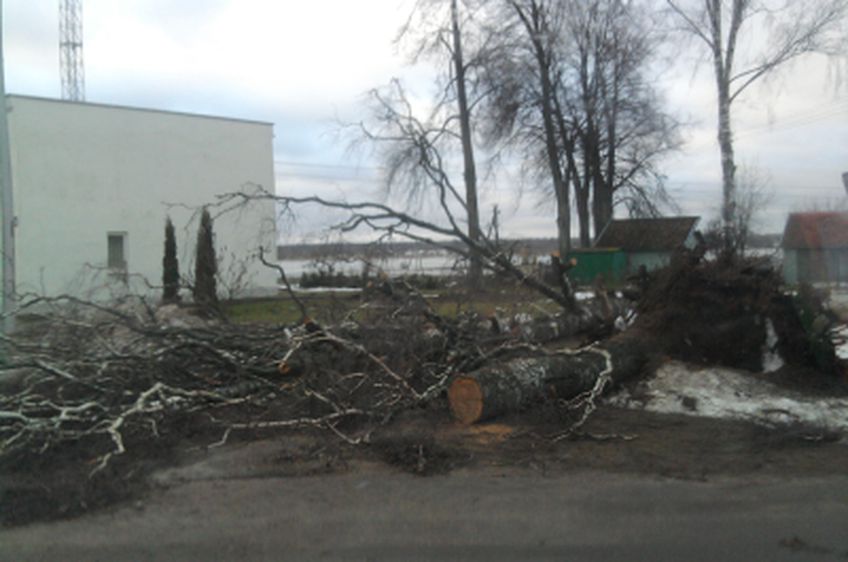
x=564, y=375
x=703, y=312
x=388, y=222
x=92, y=395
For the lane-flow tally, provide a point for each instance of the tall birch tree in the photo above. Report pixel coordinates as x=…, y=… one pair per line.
x=786, y=29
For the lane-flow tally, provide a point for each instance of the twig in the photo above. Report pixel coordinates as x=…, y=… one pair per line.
x=303, y=314
x=300, y=422
x=587, y=400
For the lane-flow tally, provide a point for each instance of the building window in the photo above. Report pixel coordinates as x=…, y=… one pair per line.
x=116, y=257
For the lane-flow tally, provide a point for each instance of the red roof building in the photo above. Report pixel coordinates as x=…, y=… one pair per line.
x=815, y=247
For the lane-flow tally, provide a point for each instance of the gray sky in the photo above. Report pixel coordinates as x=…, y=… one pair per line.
x=302, y=65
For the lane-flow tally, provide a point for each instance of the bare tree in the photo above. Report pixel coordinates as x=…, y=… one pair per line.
x=540, y=21
x=415, y=149
x=622, y=128
x=469, y=172
x=786, y=30
x=572, y=93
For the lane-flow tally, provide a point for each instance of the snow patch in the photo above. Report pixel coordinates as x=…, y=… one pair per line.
x=620, y=324
x=839, y=337
x=623, y=322
x=319, y=290
x=772, y=361
x=522, y=318
x=715, y=392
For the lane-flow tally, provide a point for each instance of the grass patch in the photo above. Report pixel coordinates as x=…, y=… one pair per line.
x=508, y=301
x=332, y=307
x=324, y=307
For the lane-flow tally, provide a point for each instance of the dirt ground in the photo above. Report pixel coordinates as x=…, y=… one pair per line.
x=635, y=485
x=64, y=481
x=427, y=442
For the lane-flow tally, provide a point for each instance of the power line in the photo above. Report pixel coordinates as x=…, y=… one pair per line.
x=322, y=177
x=707, y=187
x=797, y=120
x=327, y=166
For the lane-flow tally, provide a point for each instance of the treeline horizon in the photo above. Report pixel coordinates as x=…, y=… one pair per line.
x=378, y=249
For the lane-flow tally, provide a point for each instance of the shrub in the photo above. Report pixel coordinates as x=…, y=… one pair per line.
x=170, y=266
x=205, y=290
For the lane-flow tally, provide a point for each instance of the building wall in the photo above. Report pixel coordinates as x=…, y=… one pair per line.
x=790, y=266
x=651, y=260
x=609, y=263
x=816, y=266
x=83, y=171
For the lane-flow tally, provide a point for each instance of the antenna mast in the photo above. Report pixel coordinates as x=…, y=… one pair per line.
x=70, y=50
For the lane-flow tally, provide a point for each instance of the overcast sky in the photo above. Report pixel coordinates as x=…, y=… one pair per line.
x=302, y=65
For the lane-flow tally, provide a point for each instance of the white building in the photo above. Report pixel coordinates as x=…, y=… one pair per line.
x=93, y=185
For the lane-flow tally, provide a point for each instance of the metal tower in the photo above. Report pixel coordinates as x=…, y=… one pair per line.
x=70, y=50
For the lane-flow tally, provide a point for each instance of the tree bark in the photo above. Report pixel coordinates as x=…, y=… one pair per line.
x=590, y=318
x=601, y=190
x=723, y=63
x=581, y=195
x=475, y=273
x=515, y=385
x=728, y=169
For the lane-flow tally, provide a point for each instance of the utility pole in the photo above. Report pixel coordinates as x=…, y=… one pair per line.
x=8, y=211
x=70, y=50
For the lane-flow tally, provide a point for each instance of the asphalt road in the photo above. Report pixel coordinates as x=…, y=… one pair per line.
x=375, y=513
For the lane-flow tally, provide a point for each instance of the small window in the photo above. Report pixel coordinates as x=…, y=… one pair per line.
x=116, y=251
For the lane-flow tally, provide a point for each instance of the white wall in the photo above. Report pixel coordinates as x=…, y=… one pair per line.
x=81, y=171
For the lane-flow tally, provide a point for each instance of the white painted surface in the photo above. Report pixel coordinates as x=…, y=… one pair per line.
x=840, y=341
x=717, y=392
x=82, y=171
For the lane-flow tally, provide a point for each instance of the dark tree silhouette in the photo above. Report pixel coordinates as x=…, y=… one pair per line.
x=205, y=289
x=170, y=266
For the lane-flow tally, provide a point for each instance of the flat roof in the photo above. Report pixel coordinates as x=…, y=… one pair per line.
x=145, y=109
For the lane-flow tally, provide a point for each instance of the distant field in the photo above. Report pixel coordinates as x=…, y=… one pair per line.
x=333, y=306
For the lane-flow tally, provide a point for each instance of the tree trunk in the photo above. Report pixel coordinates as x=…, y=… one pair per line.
x=593, y=317
x=723, y=63
x=583, y=216
x=601, y=190
x=728, y=168
x=581, y=199
x=581, y=196
x=609, y=181
x=563, y=221
x=475, y=273
x=515, y=385
x=560, y=185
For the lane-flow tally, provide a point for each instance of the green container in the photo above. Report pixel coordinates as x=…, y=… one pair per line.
x=609, y=263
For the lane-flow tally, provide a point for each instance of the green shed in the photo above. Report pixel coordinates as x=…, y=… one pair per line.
x=648, y=243
x=609, y=263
